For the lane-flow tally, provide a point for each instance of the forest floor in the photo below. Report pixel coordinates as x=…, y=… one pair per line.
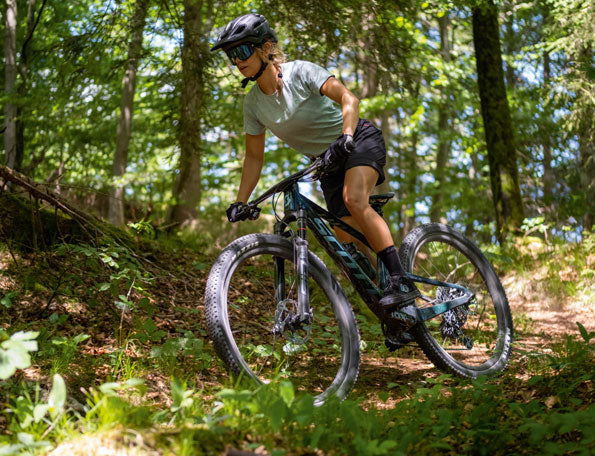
x=97, y=326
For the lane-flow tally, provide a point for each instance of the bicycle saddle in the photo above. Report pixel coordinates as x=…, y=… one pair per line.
x=377, y=201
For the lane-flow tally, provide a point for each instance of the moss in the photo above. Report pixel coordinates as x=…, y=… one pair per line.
x=29, y=226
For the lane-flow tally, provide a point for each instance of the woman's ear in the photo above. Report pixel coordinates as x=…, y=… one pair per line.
x=267, y=47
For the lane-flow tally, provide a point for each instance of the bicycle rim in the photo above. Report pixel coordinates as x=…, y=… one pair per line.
x=317, y=358
x=474, y=339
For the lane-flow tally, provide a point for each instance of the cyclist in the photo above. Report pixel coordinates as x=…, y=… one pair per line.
x=313, y=112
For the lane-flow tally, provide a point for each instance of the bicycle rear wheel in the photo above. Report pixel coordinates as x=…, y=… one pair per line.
x=244, y=318
x=471, y=340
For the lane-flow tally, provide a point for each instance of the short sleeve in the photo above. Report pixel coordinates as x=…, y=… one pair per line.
x=252, y=125
x=313, y=76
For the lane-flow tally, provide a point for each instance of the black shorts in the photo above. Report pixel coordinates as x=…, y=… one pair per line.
x=369, y=151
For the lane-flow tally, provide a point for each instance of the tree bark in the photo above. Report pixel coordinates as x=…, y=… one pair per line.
x=587, y=174
x=548, y=174
x=586, y=139
x=504, y=176
x=509, y=40
x=10, y=108
x=410, y=184
x=135, y=46
x=369, y=66
x=23, y=87
x=437, y=209
x=195, y=59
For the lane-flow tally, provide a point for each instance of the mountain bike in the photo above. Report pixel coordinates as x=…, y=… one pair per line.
x=274, y=309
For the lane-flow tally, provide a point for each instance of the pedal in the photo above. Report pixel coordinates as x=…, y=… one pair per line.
x=398, y=341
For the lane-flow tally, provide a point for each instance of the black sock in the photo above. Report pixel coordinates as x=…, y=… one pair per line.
x=390, y=258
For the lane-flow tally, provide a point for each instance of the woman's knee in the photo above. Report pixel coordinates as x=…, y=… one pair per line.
x=355, y=201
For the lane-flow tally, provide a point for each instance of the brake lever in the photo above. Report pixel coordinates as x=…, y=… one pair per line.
x=254, y=212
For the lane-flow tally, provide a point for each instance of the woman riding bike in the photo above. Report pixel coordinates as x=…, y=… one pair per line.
x=305, y=106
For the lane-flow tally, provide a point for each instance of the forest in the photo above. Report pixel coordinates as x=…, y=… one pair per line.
x=123, y=148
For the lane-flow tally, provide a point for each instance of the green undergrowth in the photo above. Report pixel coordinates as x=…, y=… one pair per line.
x=555, y=267
x=105, y=347
x=549, y=413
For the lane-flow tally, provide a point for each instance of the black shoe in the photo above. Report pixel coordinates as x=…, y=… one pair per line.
x=398, y=303
x=397, y=340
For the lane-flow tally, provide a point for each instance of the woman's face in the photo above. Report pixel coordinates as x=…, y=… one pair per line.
x=251, y=65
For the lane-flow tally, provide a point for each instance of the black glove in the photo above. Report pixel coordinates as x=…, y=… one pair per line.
x=339, y=150
x=237, y=212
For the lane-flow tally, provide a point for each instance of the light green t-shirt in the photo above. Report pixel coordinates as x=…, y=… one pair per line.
x=299, y=115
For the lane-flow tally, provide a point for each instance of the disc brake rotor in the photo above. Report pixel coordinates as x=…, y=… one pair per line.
x=288, y=325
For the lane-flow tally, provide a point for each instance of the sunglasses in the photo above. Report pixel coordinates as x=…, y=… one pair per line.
x=241, y=51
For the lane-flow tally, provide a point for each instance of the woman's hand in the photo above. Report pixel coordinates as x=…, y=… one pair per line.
x=239, y=211
x=339, y=150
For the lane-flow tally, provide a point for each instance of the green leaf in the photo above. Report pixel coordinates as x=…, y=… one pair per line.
x=278, y=411
x=286, y=392
x=304, y=410
x=177, y=391
x=14, y=352
x=7, y=368
x=584, y=334
x=57, y=397
x=109, y=388
x=39, y=412
x=6, y=300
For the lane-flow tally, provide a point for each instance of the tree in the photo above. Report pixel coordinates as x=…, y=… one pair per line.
x=10, y=108
x=443, y=125
x=23, y=87
x=116, y=202
x=572, y=33
x=504, y=176
x=195, y=60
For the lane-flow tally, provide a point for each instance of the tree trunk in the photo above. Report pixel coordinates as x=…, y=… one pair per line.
x=587, y=173
x=385, y=187
x=444, y=133
x=23, y=88
x=10, y=108
x=135, y=46
x=586, y=139
x=195, y=59
x=410, y=183
x=548, y=174
x=370, y=87
x=497, y=123
x=509, y=40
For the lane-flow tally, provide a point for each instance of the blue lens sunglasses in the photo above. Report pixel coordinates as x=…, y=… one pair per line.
x=241, y=51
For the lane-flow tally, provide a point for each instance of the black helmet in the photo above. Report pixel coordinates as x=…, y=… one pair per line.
x=250, y=28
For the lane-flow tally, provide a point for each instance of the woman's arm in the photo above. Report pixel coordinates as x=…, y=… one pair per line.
x=336, y=91
x=252, y=166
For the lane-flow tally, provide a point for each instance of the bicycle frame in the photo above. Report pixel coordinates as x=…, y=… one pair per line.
x=306, y=213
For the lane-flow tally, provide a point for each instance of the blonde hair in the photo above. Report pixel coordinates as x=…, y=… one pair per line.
x=275, y=54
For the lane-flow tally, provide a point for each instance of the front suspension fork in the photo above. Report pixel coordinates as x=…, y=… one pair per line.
x=301, y=265
x=301, y=270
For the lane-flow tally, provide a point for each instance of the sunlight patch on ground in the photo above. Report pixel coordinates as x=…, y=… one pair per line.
x=113, y=443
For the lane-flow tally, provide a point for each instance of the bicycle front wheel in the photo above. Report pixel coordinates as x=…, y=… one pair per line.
x=245, y=319
x=471, y=340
